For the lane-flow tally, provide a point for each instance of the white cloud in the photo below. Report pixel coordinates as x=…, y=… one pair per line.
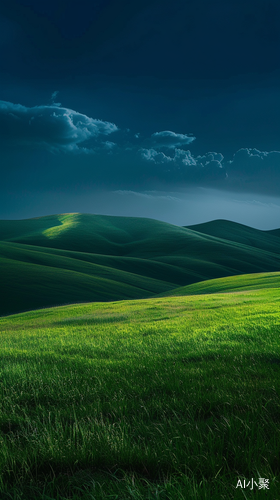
x=169, y=139
x=154, y=156
x=181, y=157
x=211, y=158
x=180, y=166
x=185, y=157
x=109, y=145
x=251, y=162
x=54, y=128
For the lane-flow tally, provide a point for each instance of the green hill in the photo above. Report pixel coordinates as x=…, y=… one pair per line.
x=67, y=258
x=239, y=233
x=240, y=283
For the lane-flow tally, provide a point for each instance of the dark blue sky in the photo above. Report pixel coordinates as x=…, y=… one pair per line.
x=149, y=108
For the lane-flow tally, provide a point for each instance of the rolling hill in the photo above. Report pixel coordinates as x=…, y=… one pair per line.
x=70, y=258
x=239, y=283
x=239, y=233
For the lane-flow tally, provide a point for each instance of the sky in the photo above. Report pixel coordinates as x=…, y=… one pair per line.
x=151, y=108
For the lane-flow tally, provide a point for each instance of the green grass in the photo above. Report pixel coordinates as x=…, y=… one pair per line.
x=70, y=258
x=168, y=398
x=238, y=283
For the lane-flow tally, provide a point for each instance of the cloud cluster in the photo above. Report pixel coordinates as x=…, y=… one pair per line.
x=211, y=159
x=253, y=170
x=250, y=162
x=52, y=127
x=154, y=156
x=167, y=147
x=180, y=156
x=179, y=165
x=250, y=169
x=131, y=160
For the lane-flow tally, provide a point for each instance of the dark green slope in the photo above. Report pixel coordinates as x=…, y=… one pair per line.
x=31, y=255
x=239, y=233
x=79, y=257
x=42, y=279
x=274, y=232
x=27, y=286
x=139, y=267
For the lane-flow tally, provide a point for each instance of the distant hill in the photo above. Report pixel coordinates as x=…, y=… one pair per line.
x=69, y=258
x=239, y=233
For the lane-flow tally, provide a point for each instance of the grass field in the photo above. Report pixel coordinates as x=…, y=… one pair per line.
x=164, y=398
x=75, y=258
x=237, y=283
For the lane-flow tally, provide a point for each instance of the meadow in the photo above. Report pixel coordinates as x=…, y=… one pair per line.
x=162, y=398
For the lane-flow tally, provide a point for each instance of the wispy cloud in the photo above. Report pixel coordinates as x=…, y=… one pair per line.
x=151, y=195
x=170, y=140
x=53, y=97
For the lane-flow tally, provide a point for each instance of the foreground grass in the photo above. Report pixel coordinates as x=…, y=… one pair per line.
x=170, y=398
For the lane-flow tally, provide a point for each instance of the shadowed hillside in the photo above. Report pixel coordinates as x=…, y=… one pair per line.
x=70, y=258
x=232, y=231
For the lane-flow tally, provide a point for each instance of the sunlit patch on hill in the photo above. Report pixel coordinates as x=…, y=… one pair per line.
x=67, y=221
